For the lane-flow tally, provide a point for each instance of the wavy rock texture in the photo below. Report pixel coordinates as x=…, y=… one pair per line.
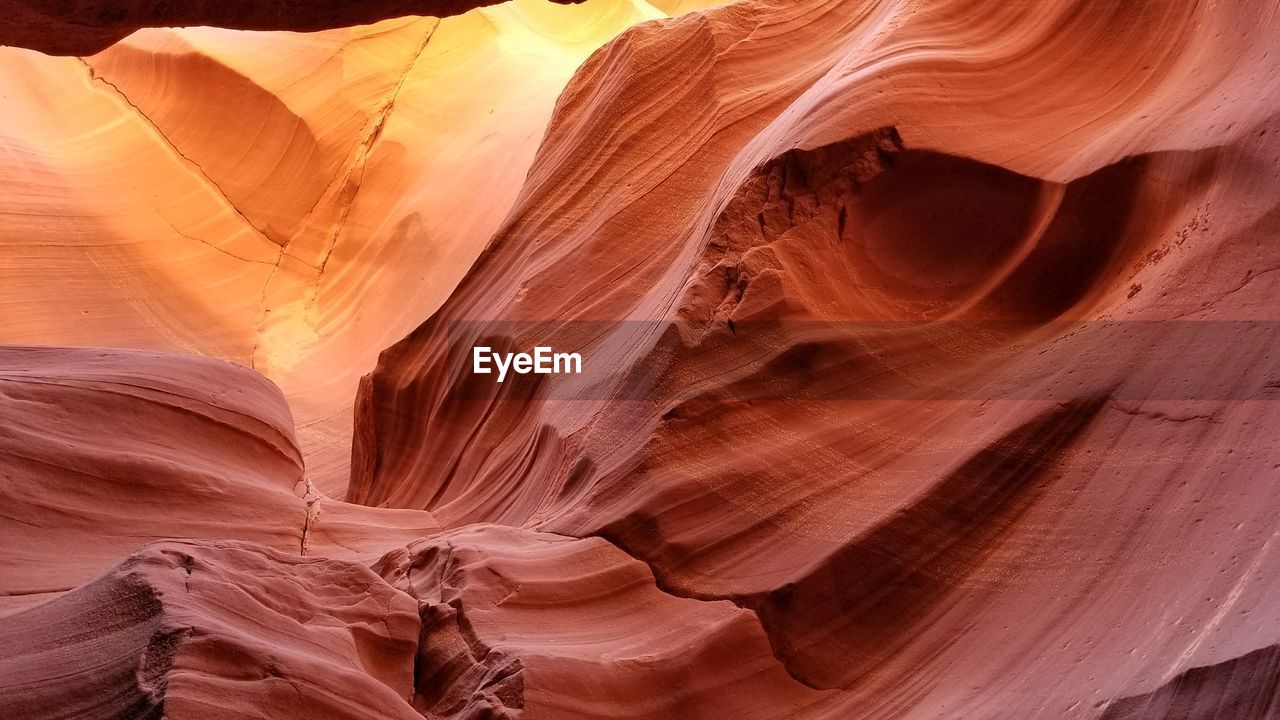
x=295, y=202
x=903, y=162
x=215, y=631
x=103, y=451
x=932, y=348
x=522, y=622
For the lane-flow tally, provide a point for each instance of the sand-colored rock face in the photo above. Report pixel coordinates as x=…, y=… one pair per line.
x=216, y=630
x=294, y=202
x=929, y=350
x=107, y=450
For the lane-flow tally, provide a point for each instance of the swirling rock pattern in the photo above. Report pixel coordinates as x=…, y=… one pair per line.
x=294, y=202
x=518, y=621
x=220, y=630
x=104, y=451
x=936, y=339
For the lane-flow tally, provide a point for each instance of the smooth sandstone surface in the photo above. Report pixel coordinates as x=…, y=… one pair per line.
x=215, y=630
x=105, y=451
x=933, y=348
x=294, y=202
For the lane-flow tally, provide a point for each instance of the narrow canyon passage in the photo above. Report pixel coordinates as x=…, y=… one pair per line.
x=926, y=349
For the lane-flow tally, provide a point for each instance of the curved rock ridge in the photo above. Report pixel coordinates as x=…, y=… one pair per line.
x=1239, y=687
x=215, y=630
x=519, y=623
x=892, y=519
x=929, y=351
x=292, y=201
x=103, y=451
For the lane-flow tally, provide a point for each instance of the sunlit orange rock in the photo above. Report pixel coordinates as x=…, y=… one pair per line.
x=907, y=533
x=929, y=352
x=294, y=202
x=104, y=451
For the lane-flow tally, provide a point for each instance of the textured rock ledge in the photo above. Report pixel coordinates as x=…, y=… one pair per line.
x=725, y=531
x=215, y=630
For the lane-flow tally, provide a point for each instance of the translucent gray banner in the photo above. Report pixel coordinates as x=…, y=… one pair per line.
x=863, y=361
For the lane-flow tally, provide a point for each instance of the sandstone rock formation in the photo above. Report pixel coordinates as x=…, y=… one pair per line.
x=107, y=450
x=929, y=349
x=71, y=27
x=294, y=202
x=216, y=630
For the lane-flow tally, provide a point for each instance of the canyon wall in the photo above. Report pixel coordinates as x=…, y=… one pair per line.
x=928, y=350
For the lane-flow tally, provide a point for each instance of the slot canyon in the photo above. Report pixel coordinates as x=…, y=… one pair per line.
x=930, y=359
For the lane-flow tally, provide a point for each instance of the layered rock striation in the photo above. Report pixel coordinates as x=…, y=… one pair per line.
x=928, y=345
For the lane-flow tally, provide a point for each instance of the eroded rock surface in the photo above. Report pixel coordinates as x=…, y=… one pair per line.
x=929, y=349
